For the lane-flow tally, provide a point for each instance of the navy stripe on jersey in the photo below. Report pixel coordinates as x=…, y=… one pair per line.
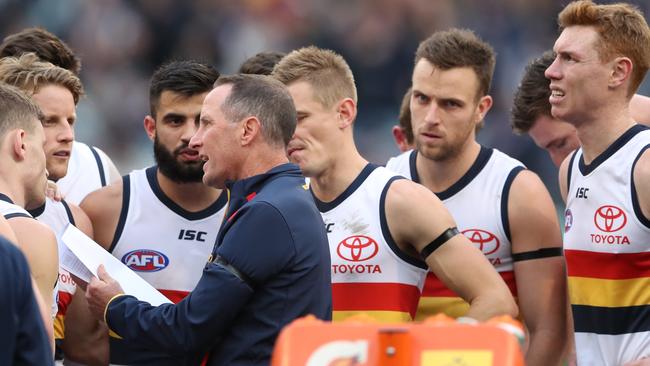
x=217, y=205
x=68, y=212
x=635, y=198
x=478, y=165
x=504, y=199
x=4, y=197
x=570, y=170
x=356, y=183
x=606, y=320
x=38, y=211
x=413, y=157
x=126, y=197
x=17, y=214
x=585, y=169
x=100, y=165
x=388, y=237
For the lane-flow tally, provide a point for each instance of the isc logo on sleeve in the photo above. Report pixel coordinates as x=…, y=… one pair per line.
x=145, y=260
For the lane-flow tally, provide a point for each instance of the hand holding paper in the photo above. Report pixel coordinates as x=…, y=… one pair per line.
x=100, y=291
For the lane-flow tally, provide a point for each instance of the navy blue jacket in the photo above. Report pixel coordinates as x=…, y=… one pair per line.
x=270, y=265
x=23, y=340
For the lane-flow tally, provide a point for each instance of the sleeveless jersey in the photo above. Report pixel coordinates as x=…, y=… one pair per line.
x=163, y=243
x=9, y=210
x=607, y=249
x=370, y=274
x=478, y=202
x=57, y=215
x=88, y=171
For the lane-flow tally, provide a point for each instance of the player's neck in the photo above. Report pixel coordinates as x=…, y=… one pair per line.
x=261, y=160
x=439, y=175
x=14, y=192
x=192, y=197
x=343, y=169
x=598, y=134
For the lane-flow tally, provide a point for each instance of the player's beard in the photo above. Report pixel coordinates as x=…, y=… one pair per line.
x=173, y=169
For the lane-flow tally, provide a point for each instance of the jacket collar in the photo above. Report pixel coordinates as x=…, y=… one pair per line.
x=244, y=190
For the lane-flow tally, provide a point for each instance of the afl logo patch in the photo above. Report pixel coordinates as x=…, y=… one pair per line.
x=568, y=220
x=357, y=248
x=609, y=218
x=145, y=260
x=485, y=241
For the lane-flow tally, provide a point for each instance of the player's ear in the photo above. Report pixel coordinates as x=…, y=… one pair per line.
x=250, y=128
x=400, y=138
x=150, y=127
x=17, y=138
x=484, y=105
x=347, y=112
x=620, y=72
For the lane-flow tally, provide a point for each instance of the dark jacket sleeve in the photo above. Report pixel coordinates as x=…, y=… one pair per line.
x=32, y=343
x=254, y=248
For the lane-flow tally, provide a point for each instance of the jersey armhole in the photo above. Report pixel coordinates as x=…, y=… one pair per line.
x=635, y=197
x=17, y=214
x=68, y=212
x=385, y=231
x=570, y=170
x=505, y=194
x=126, y=196
x=100, y=165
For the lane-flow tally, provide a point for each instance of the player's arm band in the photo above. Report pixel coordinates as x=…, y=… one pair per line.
x=538, y=254
x=437, y=242
x=219, y=260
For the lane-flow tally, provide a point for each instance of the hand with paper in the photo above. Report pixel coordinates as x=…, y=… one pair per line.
x=101, y=291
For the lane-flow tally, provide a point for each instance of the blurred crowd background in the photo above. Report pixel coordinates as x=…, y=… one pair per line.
x=121, y=42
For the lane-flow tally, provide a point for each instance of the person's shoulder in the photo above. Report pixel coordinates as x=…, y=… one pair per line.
x=505, y=160
x=396, y=162
x=105, y=199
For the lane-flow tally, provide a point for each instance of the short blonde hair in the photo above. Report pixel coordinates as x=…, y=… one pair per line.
x=324, y=69
x=622, y=31
x=30, y=74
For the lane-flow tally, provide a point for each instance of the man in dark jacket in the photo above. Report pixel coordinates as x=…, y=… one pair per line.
x=271, y=262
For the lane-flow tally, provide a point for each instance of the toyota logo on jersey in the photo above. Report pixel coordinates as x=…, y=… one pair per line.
x=145, y=260
x=609, y=218
x=485, y=241
x=357, y=248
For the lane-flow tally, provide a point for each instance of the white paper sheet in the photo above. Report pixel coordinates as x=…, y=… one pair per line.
x=89, y=255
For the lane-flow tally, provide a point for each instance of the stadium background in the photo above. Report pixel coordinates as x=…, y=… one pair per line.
x=121, y=42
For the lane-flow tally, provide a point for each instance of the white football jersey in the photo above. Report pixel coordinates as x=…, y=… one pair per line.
x=607, y=249
x=370, y=274
x=165, y=244
x=478, y=202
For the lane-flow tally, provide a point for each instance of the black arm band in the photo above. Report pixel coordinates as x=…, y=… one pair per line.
x=437, y=242
x=219, y=260
x=537, y=254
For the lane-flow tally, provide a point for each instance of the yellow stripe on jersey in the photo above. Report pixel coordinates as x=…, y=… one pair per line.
x=380, y=316
x=609, y=293
x=59, y=326
x=451, y=306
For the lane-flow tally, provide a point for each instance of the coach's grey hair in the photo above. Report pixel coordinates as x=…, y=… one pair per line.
x=262, y=97
x=17, y=110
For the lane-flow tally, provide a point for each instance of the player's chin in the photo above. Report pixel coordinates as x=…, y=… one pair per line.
x=57, y=171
